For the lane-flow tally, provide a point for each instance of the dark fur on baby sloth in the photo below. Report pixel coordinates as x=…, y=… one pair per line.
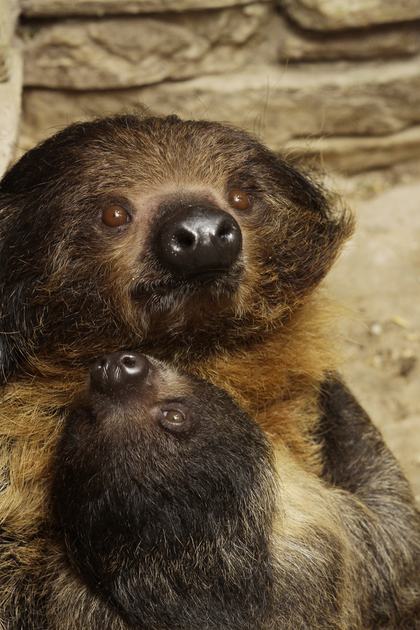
x=166, y=492
x=193, y=243
x=178, y=513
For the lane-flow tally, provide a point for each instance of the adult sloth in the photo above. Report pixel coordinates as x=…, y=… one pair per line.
x=191, y=242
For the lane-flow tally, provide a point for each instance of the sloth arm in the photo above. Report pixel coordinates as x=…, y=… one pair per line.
x=377, y=507
x=355, y=457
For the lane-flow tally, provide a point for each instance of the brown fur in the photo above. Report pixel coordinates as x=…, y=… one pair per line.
x=73, y=288
x=278, y=548
x=270, y=318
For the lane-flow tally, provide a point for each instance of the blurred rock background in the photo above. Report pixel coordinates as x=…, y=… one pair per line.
x=332, y=83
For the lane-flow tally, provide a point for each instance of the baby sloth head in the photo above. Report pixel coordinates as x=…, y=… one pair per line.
x=166, y=496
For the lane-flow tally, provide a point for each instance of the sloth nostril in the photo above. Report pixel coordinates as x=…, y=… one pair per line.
x=226, y=231
x=183, y=239
x=129, y=361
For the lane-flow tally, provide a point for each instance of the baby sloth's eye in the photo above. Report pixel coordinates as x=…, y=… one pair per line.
x=84, y=428
x=115, y=216
x=238, y=199
x=84, y=424
x=173, y=419
x=174, y=416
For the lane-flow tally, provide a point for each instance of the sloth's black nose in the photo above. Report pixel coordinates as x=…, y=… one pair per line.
x=198, y=242
x=119, y=371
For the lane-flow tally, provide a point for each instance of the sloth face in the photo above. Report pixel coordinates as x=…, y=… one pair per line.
x=133, y=232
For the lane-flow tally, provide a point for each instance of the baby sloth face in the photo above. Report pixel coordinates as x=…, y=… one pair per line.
x=166, y=495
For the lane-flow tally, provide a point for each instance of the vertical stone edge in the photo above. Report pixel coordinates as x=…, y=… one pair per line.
x=10, y=108
x=9, y=11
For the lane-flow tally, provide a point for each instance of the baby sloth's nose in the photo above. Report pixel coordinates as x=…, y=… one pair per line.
x=119, y=371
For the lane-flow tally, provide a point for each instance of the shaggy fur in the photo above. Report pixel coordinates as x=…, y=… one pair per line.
x=202, y=524
x=73, y=287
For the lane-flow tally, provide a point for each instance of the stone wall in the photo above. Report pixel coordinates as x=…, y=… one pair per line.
x=336, y=80
x=10, y=83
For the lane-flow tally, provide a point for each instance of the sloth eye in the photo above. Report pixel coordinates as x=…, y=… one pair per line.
x=115, y=216
x=174, y=416
x=238, y=199
x=84, y=428
x=173, y=419
x=84, y=424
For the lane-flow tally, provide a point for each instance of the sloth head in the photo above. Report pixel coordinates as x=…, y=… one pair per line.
x=166, y=495
x=158, y=234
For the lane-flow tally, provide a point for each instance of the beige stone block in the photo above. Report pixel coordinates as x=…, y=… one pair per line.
x=339, y=14
x=104, y=7
x=296, y=44
x=10, y=106
x=284, y=106
x=8, y=18
x=373, y=98
x=350, y=155
x=125, y=52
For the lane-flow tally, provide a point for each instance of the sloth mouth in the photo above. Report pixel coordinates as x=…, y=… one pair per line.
x=214, y=285
x=206, y=277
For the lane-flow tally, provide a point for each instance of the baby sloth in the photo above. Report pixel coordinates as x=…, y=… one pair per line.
x=178, y=513
x=166, y=494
